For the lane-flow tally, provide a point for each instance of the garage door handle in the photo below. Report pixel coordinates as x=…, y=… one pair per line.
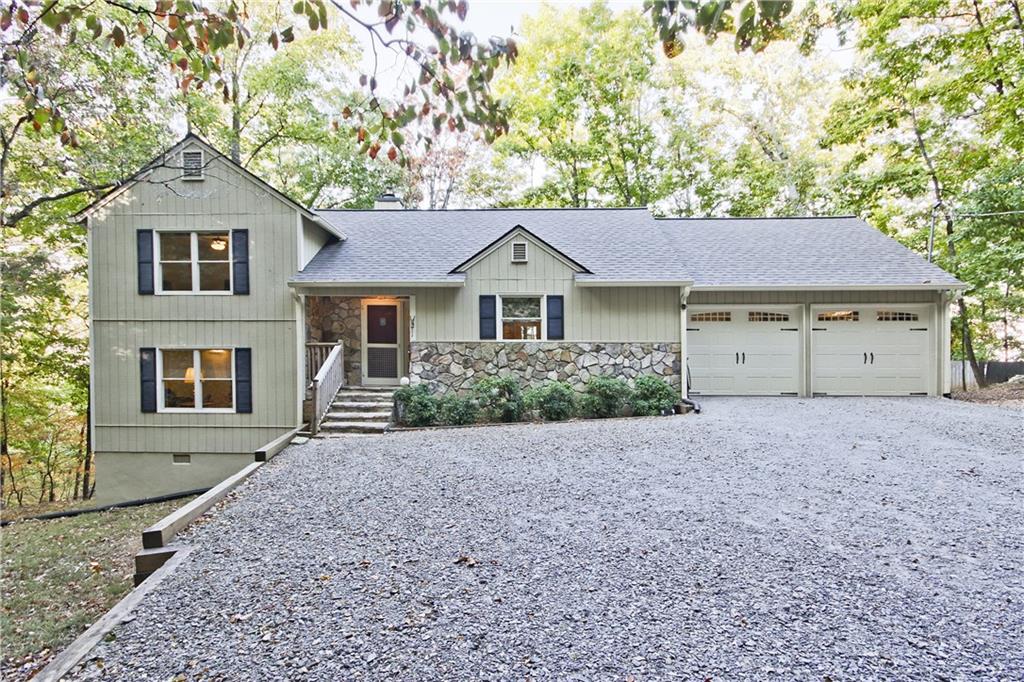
x=865, y=358
x=872, y=358
x=744, y=358
x=737, y=358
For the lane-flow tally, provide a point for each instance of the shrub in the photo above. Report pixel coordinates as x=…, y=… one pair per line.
x=605, y=396
x=555, y=400
x=416, y=405
x=500, y=398
x=652, y=395
x=456, y=410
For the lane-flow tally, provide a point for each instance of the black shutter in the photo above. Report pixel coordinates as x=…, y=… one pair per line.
x=147, y=373
x=556, y=318
x=144, y=242
x=240, y=256
x=243, y=380
x=488, y=319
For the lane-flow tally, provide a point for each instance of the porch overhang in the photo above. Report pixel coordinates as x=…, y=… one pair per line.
x=454, y=281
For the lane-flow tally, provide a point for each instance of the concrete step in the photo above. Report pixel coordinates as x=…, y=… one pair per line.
x=360, y=406
x=353, y=427
x=367, y=389
x=383, y=415
x=363, y=398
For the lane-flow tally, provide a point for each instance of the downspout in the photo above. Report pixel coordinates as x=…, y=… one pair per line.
x=684, y=380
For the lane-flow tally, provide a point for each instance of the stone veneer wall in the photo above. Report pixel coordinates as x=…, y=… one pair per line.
x=456, y=366
x=334, y=318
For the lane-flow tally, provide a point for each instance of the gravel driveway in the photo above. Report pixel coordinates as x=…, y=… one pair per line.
x=766, y=538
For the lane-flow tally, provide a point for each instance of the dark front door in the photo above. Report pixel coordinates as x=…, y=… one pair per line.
x=382, y=343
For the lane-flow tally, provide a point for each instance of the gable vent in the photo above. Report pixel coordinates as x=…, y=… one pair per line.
x=518, y=252
x=192, y=165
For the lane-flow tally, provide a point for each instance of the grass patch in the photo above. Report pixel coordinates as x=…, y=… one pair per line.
x=60, y=575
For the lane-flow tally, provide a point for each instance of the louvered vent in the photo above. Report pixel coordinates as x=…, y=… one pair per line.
x=518, y=252
x=192, y=165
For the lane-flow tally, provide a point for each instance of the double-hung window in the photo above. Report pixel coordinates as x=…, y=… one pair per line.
x=196, y=379
x=194, y=262
x=522, y=318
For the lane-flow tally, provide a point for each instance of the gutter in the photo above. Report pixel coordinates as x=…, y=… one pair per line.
x=348, y=284
x=828, y=287
x=588, y=282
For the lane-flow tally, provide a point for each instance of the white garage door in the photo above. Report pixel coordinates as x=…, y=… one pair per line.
x=744, y=351
x=871, y=350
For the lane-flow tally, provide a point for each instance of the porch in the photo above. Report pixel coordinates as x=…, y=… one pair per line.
x=357, y=347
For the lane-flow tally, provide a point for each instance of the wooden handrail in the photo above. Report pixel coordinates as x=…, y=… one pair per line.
x=316, y=354
x=328, y=379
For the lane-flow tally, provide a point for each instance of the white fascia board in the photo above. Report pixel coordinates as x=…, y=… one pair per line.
x=409, y=283
x=587, y=282
x=832, y=287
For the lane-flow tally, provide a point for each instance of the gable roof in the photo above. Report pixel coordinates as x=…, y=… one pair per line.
x=518, y=229
x=821, y=252
x=615, y=245
x=193, y=140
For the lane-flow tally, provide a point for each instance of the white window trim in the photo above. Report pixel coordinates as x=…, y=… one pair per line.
x=202, y=165
x=196, y=364
x=158, y=279
x=543, y=317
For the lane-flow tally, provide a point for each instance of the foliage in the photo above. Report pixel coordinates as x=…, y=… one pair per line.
x=61, y=575
x=501, y=398
x=652, y=396
x=605, y=396
x=456, y=410
x=450, y=70
x=554, y=400
x=417, y=406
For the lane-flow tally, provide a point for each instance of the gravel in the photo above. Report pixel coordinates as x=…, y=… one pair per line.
x=765, y=538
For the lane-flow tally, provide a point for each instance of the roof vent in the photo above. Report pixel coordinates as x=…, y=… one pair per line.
x=387, y=202
x=518, y=252
x=192, y=165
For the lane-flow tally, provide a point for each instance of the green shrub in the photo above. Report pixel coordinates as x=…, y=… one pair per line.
x=416, y=405
x=652, y=395
x=605, y=396
x=456, y=410
x=555, y=400
x=500, y=398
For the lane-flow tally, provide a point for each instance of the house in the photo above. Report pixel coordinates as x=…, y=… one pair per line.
x=220, y=307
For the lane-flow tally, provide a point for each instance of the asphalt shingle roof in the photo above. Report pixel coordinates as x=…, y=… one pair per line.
x=826, y=251
x=625, y=244
x=614, y=244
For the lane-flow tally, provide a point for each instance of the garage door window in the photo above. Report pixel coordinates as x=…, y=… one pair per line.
x=758, y=316
x=839, y=316
x=896, y=316
x=717, y=316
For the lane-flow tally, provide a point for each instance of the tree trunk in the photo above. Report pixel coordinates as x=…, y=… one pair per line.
x=87, y=466
x=236, y=122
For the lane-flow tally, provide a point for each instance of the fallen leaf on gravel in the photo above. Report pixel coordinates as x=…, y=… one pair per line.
x=239, y=617
x=466, y=561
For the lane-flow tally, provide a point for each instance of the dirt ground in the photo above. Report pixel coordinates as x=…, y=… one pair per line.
x=1006, y=394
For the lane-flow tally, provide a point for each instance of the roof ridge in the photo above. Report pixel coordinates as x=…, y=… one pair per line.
x=760, y=217
x=482, y=210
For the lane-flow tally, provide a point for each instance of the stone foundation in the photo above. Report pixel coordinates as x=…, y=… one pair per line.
x=456, y=366
x=338, y=318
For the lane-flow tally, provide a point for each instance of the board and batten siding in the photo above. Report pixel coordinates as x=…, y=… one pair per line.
x=611, y=314
x=267, y=320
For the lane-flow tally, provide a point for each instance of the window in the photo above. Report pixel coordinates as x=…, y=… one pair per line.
x=758, y=316
x=197, y=380
x=895, y=316
x=192, y=165
x=717, y=316
x=193, y=262
x=519, y=252
x=522, y=318
x=839, y=316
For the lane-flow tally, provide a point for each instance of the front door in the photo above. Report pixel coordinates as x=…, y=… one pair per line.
x=382, y=342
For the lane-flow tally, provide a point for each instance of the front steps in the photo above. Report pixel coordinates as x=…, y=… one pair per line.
x=359, y=409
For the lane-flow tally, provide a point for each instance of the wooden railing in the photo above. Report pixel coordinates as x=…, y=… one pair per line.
x=328, y=379
x=316, y=354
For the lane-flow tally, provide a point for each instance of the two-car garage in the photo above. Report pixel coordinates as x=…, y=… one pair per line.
x=812, y=349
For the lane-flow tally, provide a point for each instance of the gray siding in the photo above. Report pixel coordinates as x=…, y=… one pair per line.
x=267, y=320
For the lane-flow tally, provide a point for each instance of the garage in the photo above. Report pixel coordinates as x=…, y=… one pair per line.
x=751, y=350
x=871, y=350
